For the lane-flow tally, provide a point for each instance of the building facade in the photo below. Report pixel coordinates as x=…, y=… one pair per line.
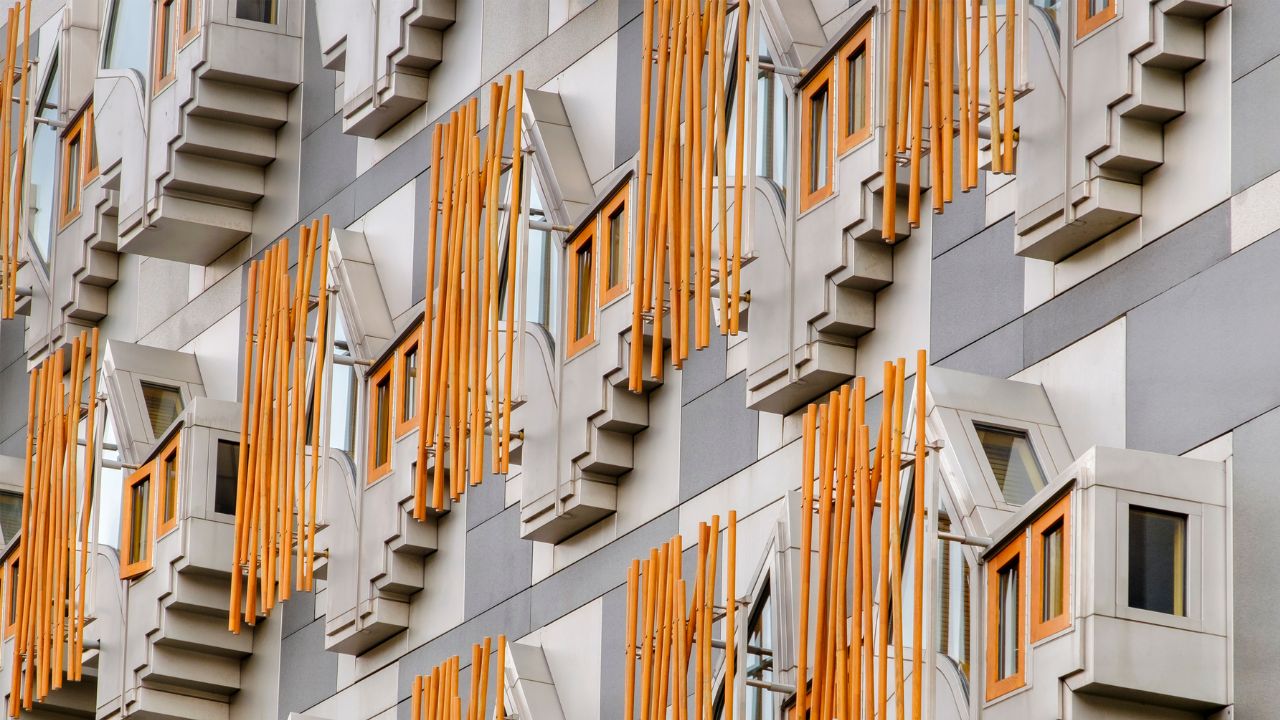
x=922, y=376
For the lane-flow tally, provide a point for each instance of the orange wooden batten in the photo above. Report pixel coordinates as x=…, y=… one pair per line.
x=435, y=695
x=12, y=180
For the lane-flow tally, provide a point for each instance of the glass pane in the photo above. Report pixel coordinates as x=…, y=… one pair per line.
x=856, y=96
x=1097, y=6
x=10, y=515
x=760, y=665
x=263, y=11
x=188, y=15
x=408, y=403
x=127, y=41
x=1051, y=576
x=44, y=165
x=344, y=393
x=582, y=297
x=1013, y=462
x=139, y=528
x=71, y=175
x=818, y=140
x=166, y=38
x=226, y=477
x=953, y=600
x=170, y=509
x=1157, y=561
x=15, y=579
x=382, y=410
x=617, y=250
x=112, y=479
x=164, y=403
x=1007, y=632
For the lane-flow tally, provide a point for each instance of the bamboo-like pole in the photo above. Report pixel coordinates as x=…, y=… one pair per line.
x=993, y=53
x=697, y=615
x=826, y=421
x=1010, y=24
x=86, y=503
x=633, y=590
x=731, y=608
x=635, y=372
x=946, y=94
x=517, y=190
x=917, y=123
x=6, y=120
x=426, y=338
x=936, y=153
x=744, y=8
x=975, y=55
x=857, y=491
x=895, y=534
x=500, y=683
x=651, y=573
x=894, y=130
x=806, y=552
x=917, y=525
x=899, y=104
x=865, y=499
x=21, y=175
x=962, y=56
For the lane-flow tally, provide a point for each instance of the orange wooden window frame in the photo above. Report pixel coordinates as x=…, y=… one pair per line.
x=1086, y=24
x=1060, y=512
x=1015, y=551
x=129, y=566
x=167, y=455
x=186, y=34
x=72, y=178
x=409, y=346
x=161, y=31
x=576, y=338
x=381, y=373
x=90, y=154
x=11, y=567
x=617, y=205
x=822, y=81
x=860, y=40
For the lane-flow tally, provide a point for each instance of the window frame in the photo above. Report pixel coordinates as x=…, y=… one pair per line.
x=75, y=133
x=1049, y=465
x=997, y=686
x=11, y=566
x=131, y=567
x=380, y=373
x=576, y=342
x=161, y=29
x=822, y=79
x=861, y=39
x=411, y=344
x=1194, y=570
x=88, y=151
x=170, y=450
x=1059, y=512
x=616, y=205
x=1086, y=24
x=187, y=34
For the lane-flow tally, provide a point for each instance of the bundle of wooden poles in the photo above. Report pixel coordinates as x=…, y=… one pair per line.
x=276, y=486
x=13, y=176
x=57, y=494
x=940, y=54
x=468, y=381
x=853, y=631
x=435, y=696
x=683, y=180
x=672, y=636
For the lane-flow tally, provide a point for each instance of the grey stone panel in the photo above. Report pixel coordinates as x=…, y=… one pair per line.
x=626, y=124
x=318, y=83
x=977, y=288
x=1255, y=493
x=421, y=215
x=1188, y=349
x=299, y=612
x=510, y=30
x=391, y=173
x=164, y=291
x=1254, y=108
x=308, y=674
x=599, y=572
x=499, y=563
x=629, y=10
x=12, y=333
x=998, y=354
x=613, y=645
x=1155, y=268
x=12, y=445
x=1253, y=35
x=489, y=498
x=965, y=217
x=328, y=165
x=718, y=436
x=704, y=370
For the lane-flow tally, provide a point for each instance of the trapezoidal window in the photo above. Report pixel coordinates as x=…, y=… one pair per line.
x=380, y=401
x=1006, y=646
x=816, y=152
x=1157, y=561
x=613, y=260
x=855, y=84
x=1050, y=570
x=164, y=404
x=581, y=305
x=136, y=525
x=1013, y=462
x=1093, y=14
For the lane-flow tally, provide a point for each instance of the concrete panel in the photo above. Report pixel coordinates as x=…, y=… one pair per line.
x=308, y=674
x=704, y=370
x=391, y=173
x=626, y=120
x=718, y=437
x=328, y=165
x=1130, y=282
x=998, y=354
x=510, y=30
x=421, y=211
x=1253, y=37
x=963, y=309
x=487, y=499
x=318, y=83
x=500, y=563
x=1254, y=108
x=1189, y=348
x=1255, y=489
x=299, y=612
x=965, y=217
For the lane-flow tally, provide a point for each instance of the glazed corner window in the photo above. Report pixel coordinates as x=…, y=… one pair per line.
x=380, y=422
x=1051, y=570
x=189, y=20
x=582, y=309
x=164, y=403
x=164, y=43
x=1013, y=462
x=263, y=11
x=855, y=74
x=407, y=361
x=613, y=260
x=167, y=477
x=1093, y=14
x=1006, y=649
x=815, y=139
x=135, y=543
x=1157, y=561
x=226, y=476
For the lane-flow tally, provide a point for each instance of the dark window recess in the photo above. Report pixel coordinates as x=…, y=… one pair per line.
x=226, y=477
x=164, y=403
x=10, y=515
x=263, y=11
x=1157, y=561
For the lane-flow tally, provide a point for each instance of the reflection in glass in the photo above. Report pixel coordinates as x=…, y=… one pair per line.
x=1013, y=462
x=44, y=165
x=1051, y=594
x=1007, y=630
x=1157, y=561
x=127, y=43
x=139, y=528
x=164, y=403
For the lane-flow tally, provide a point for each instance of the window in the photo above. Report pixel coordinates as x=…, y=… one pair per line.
x=760, y=660
x=111, y=493
x=855, y=74
x=167, y=476
x=90, y=148
x=44, y=165
x=954, y=582
x=1093, y=14
x=581, y=308
x=1051, y=570
x=226, y=477
x=135, y=544
x=773, y=100
x=189, y=24
x=10, y=515
x=815, y=140
x=76, y=158
x=126, y=41
x=613, y=259
x=1006, y=648
x=1157, y=561
x=343, y=394
x=407, y=370
x=11, y=582
x=164, y=404
x=380, y=421
x=162, y=68
x=1012, y=461
x=263, y=11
